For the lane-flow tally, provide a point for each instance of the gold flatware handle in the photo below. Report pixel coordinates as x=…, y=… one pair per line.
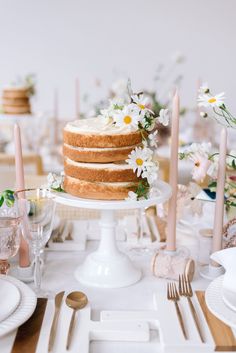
x=196, y=319
x=53, y=330
x=71, y=330
x=181, y=321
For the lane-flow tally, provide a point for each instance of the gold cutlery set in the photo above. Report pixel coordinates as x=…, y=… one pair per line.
x=76, y=301
x=184, y=290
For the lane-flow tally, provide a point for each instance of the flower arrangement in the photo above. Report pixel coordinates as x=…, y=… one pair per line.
x=55, y=181
x=215, y=107
x=165, y=79
x=205, y=163
x=133, y=114
x=137, y=115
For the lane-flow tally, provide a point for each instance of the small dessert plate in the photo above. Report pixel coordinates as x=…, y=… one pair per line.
x=216, y=304
x=9, y=298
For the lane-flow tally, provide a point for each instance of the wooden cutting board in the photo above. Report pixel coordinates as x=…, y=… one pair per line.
x=28, y=334
x=222, y=333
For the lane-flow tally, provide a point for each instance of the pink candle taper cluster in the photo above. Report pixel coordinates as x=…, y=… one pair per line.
x=24, y=260
x=219, y=206
x=174, y=156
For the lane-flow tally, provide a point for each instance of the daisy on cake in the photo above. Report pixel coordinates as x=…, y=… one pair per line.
x=110, y=157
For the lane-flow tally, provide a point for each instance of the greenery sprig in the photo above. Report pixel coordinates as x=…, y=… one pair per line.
x=7, y=196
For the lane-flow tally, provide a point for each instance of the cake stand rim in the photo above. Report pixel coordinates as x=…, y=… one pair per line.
x=70, y=200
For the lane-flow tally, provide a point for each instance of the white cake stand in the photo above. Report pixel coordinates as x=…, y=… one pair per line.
x=107, y=267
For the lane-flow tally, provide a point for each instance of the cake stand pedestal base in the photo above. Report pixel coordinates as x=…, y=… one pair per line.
x=107, y=267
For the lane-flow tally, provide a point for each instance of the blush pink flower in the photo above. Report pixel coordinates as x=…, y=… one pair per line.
x=201, y=166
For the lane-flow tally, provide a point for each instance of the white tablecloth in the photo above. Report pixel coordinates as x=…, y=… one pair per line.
x=58, y=275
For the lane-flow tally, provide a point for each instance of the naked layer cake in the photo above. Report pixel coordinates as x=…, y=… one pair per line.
x=15, y=100
x=94, y=159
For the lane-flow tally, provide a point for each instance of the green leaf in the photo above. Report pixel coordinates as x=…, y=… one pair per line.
x=181, y=155
x=213, y=184
x=1, y=200
x=9, y=202
x=233, y=164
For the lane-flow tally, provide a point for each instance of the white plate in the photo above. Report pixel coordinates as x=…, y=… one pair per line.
x=9, y=298
x=216, y=304
x=229, y=298
x=24, y=310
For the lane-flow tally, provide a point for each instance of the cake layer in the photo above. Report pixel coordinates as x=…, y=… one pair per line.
x=16, y=110
x=97, y=132
x=15, y=92
x=98, y=191
x=98, y=155
x=16, y=102
x=108, y=172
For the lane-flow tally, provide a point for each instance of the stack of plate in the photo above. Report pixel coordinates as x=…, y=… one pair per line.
x=221, y=302
x=18, y=302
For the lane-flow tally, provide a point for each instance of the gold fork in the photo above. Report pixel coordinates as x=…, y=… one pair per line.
x=185, y=289
x=173, y=295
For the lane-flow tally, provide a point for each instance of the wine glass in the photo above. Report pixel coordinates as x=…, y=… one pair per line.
x=38, y=209
x=9, y=235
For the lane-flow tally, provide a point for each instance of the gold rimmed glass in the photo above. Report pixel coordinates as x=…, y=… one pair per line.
x=38, y=209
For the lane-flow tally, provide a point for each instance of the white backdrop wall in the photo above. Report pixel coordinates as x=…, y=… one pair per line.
x=61, y=39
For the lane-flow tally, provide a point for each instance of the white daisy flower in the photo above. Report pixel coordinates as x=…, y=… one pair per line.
x=142, y=104
x=164, y=117
x=138, y=158
x=126, y=117
x=132, y=196
x=151, y=173
x=205, y=100
x=201, y=166
x=153, y=139
x=50, y=179
x=55, y=181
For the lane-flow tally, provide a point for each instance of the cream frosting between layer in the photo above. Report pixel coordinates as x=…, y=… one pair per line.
x=96, y=149
x=97, y=126
x=112, y=166
x=114, y=184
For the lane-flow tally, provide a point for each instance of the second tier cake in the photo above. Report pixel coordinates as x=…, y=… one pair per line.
x=15, y=100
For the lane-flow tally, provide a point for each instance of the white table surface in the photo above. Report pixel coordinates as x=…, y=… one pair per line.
x=58, y=275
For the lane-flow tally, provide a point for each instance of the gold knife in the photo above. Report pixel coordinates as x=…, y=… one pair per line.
x=58, y=302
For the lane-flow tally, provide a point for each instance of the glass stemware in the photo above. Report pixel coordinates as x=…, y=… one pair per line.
x=141, y=248
x=38, y=208
x=9, y=236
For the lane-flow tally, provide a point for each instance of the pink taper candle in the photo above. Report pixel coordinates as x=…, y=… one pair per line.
x=24, y=260
x=219, y=205
x=77, y=99
x=171, y=220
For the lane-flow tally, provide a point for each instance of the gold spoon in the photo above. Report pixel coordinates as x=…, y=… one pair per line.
x=75, y=301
